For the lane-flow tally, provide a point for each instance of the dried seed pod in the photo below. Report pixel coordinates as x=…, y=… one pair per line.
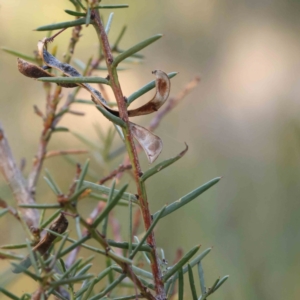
x=163, y=86
x=150, y=142
x=33, y=71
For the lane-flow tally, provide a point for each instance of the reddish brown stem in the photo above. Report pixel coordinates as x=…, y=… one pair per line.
x=159, y=286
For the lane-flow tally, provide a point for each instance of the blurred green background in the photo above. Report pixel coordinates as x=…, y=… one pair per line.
x=242, y=123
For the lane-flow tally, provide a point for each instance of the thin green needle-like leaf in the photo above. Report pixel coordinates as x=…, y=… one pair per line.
x=77, y=194
x=74, y=13
x=125, y=245
x=111, y=117
x=82, y=175
x=60, y=129
x=67, y=272
x=180, y=264
x=130, y=227
x=84, y=269
x=20, y=55
x=134, y=297
x=70, y=280
x=112, y=6
x=40, y=206
x=21, y=269
x=189, y=197
x=144, y=253
x=9, y=294
x=13, y=246
x=32, y=258
x=88, y=17
x=10, y=256
x=42, y=216
x=108, y=24
x=3, y=211
x=148, y=232
x=90, y=289
x=162, y=165
x=146, y=88
x=180, y=285
x=74, y=80
x=201, y=278
x=195, y=261
x=109, y=287
x=58, y=251
x=192, y=283
x=135, y=49
x=120, y=36
x=211, y=290
x=105, y=190
x=61, y=25
x=51, y=218
x=58, y=295
x=53, y=183
x=90, y=102
x=110, y=206
x=110, y=197
x=73, y=246
x=220, y=282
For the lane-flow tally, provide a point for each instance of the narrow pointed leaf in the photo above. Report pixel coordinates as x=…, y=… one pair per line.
x=189, y=197
x=18, y=54
x=14, y=246
x=88, y=17
x=220, y=282
x=112, y=6
x=109, y=199
x=135, y=49
x=105, y=190
x=40, y=206
x=109, y=287
x=195, y=261
x=180, y=285
x=163, y=165
x=74, y=80
x=52, y=183
x=125, y=245
x=146, y=88
x=180, y=264
x=61, y=25
x=110, y=206
x=74, y=13
x=148, y=232
x=70, y=280
x=82, y=175
x=10, y=255
x=19, y=268
x=201, y=279
x=51, y=218
x=108, y=24
x=9, y=294
x=111, y=117
x=192, y=283
x=119, y=38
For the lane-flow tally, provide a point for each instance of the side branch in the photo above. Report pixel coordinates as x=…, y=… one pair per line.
x=17, y=184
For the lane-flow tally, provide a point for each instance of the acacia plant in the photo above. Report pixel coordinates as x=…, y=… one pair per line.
x=136, y=268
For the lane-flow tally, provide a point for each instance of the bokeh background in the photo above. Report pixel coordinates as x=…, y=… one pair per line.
x=242, y=123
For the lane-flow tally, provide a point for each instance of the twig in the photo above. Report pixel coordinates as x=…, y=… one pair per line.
x=14, y=178
x=114, y=173
x=159, y=285
x=63, y=152
x=49, y=119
